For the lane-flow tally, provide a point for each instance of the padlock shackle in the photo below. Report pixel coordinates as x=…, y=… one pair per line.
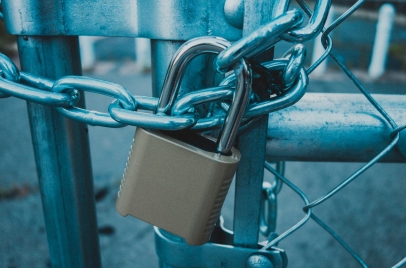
x=176, y=70
x=180, y=61
x=237, y=109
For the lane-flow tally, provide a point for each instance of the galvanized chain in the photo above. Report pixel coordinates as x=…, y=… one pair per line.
x=64, y=93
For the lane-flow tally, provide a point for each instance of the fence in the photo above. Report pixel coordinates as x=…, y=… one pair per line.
x=387, y=124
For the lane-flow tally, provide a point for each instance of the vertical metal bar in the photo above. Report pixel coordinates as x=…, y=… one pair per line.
x=199, y=74
x=251, y=143
x=161, y=55
x=62, y=155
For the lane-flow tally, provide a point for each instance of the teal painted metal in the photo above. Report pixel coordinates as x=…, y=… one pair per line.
x=161, y=55
x=291, y=95
x=8, y=71
x=36, y=95
x=72, y=234
x=63, y=94
x=172, y=19
x=252, y=144
x=293, y=139
x=68, y=83
x=219, y=253
x=335, y=127
x=313, y=27
x=258, y=40
x=62, y=156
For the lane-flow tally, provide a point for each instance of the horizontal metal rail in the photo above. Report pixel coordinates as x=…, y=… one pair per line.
x=173, y=19
x=337, y=128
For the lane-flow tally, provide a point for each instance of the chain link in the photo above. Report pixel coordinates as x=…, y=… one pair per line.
x=259, y=40
x=64, y=93
x=68, y=83
x=9, y=71
x=314, y=26
x=38, y=94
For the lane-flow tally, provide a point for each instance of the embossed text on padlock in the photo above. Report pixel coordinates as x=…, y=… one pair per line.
x=178, y=180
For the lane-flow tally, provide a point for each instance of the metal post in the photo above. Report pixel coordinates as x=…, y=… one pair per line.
x=198, y=75
x=161, y=55
x=62, y=155
x=143, y=54
x=251, y=144
x=87, y=52
x=382, y=41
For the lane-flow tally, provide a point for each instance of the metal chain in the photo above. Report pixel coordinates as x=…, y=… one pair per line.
x=64, y=93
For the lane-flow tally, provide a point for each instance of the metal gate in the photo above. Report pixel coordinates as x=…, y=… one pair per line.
x=356, y=129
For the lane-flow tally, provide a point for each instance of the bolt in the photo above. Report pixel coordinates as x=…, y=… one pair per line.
x=258, y=261
x=234, y=12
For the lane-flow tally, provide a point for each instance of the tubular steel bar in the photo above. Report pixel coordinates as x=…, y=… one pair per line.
x=177, y=254
x=62, y=155
x=335, y=127
x=251, y=144
x=161, y=55
x=159, y=19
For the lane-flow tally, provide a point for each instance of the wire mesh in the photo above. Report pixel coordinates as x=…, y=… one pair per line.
x=394, y=135
x=327, y=43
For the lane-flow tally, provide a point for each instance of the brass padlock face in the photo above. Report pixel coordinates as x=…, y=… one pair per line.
x=174, y=185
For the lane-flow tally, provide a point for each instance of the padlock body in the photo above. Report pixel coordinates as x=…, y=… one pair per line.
x=175, y=185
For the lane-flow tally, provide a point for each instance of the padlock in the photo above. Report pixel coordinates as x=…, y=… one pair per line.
x=178, y=180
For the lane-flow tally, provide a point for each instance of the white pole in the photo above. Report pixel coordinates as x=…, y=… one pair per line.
x=318, y=48
x=143, y=54
x=87, y=53
x=382, y=39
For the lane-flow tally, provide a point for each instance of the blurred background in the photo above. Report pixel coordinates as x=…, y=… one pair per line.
x=369, y=214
